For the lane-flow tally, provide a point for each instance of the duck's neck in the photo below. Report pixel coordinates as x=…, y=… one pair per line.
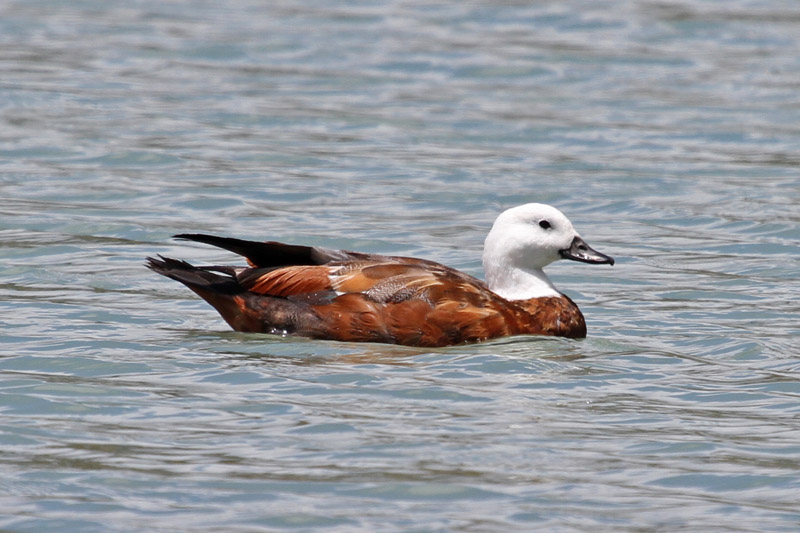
x=514, y=283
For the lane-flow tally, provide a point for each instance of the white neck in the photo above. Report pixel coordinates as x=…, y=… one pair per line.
x=514, y=283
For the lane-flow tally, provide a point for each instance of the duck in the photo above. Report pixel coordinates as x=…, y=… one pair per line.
x=340, y=295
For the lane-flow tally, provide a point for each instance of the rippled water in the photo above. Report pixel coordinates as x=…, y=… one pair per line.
x=669, y=132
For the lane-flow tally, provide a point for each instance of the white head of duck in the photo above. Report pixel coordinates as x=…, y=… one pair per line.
x=524, y=240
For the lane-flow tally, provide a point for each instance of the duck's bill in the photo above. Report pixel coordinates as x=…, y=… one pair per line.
x=580, y=251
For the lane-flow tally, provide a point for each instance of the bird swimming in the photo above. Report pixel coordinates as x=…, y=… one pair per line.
x=322, y=293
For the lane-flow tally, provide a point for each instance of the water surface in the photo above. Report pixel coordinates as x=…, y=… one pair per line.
x=667, y=131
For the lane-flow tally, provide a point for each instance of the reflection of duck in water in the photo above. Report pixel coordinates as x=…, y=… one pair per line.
x=351, y=296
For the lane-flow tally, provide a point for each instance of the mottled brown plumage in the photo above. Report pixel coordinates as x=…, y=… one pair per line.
x=379, y=299
x=351, y=296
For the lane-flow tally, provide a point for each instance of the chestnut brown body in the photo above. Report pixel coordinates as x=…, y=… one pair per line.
x=351, y=296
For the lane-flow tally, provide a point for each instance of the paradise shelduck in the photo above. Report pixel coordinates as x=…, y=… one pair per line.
x=351, y=296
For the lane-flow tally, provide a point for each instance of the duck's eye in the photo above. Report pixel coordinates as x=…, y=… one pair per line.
x=544, y=224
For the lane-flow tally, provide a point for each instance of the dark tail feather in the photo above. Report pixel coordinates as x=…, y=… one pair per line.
x=242, y=310
x=220, y=290
x=196, y=278
x=262, y=254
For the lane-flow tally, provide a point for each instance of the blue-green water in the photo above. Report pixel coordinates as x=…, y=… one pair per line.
x=669, y=132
